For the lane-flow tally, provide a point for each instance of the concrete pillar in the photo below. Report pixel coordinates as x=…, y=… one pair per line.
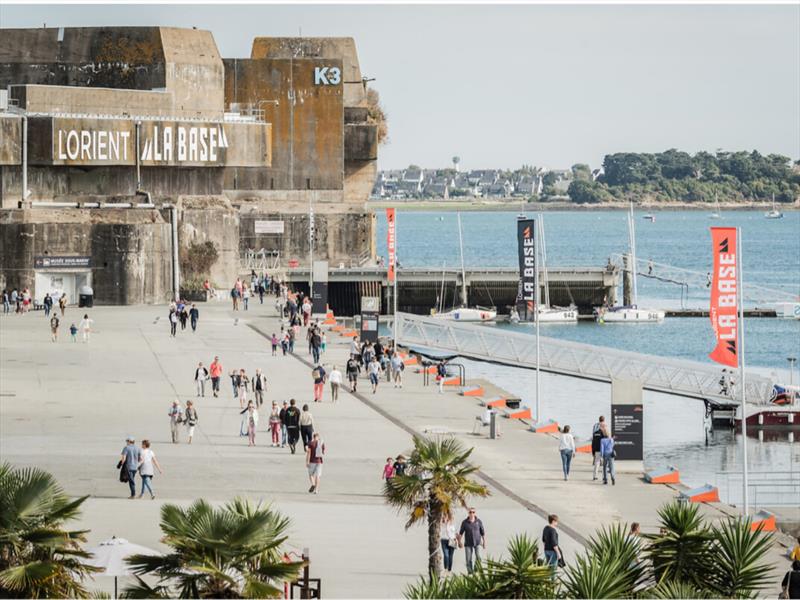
x=627, y=280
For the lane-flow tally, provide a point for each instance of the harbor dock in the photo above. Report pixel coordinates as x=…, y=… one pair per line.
x=73, y=422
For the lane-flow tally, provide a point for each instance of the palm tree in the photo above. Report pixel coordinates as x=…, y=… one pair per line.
x=437, y=478
x=39, y=558
x=229, y=552
x=522, y=575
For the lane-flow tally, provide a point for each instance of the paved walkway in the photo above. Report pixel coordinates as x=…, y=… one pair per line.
x=68, y=407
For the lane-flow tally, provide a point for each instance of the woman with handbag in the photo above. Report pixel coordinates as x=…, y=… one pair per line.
x=566, y=447
x=190, y=419
x=449, y=541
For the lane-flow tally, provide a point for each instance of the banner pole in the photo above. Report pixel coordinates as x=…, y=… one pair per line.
x=394, y=309
x=536, y=317
x=742, y=379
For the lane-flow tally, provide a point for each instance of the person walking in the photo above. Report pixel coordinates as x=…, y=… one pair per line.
x=335, y=378
x=566, y=447
x=86, y=328
x=552, y=552
x=73, y=333
x=54, y=323
x=251, y=422
x=396, y=365
x=245, y=297
x=314, y=453
x=609, y=454
x=215, y=370
x=472, y=537
x=243, y=380
x=259, y=387
x=48, y=304
x=316, y=343
x=129, y=461
x=173, y=322
x=374, y=373
x=352, y=369
x=6, y=303
x=274, y=342
x=399, y=465
x=175, y=415
x=282, y=414
x=597, y=435
x=275, y=425
x=148, y=460
x=323, y=343
x=234, y=375
x=200, y=376
x=791, y=581
x=190, y=418
x=441, y=374
x=449, y=541
x=183, y=316
x=292, y=422
x=194, y=315
x=306, y=426
x=388, y=469
x=319, y=376
x=62, y=304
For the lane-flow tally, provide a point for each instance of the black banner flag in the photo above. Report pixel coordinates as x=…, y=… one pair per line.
x=526, y=295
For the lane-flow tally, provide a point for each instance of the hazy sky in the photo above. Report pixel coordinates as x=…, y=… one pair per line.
x=544, y=85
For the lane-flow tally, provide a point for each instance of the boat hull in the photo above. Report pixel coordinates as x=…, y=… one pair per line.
x=630, y=315
x=469, y=315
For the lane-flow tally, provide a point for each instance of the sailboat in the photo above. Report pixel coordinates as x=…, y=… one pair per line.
x=632, y=313
x=548, y=313
x=463, y=312
x=774, y=213
x=716, y=214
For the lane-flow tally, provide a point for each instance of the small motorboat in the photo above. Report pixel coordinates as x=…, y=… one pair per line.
x=649, y=217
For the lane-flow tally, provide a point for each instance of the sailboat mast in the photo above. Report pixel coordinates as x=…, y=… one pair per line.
x=463, y=271
x=632, y=242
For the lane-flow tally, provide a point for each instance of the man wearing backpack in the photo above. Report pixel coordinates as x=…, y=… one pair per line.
x=319, y=375
x=597, y=436
x=292, y=422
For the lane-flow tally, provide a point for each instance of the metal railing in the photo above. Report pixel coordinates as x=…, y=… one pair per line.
x=669, y=375
x=699, y=281
x=766, y=488
x=260, y=260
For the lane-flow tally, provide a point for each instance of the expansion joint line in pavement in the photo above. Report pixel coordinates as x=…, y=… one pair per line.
x=534, y=508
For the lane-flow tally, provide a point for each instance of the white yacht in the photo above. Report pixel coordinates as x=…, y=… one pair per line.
x=774, y=213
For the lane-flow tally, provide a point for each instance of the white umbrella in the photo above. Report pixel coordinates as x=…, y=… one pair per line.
x=110, y=556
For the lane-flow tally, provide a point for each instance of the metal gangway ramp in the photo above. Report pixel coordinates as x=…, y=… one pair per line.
x=679, y=377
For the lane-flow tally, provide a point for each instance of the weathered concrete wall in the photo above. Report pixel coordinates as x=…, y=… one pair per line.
x=212, y=218
x=75, y=184
x=185, y=62
x=343, y=49
x=85, y=100
x=10, y=140
x=307, y=123
x=129, y=250
x=339, y=236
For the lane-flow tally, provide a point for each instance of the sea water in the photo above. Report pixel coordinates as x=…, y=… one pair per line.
x=674, y=427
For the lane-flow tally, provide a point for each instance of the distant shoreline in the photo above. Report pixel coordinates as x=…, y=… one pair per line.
x=515, y=205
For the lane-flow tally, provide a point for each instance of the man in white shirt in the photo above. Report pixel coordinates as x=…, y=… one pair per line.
x=335, y=377
x=259, y=387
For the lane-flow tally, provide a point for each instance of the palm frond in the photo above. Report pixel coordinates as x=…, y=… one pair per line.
x=739, y=568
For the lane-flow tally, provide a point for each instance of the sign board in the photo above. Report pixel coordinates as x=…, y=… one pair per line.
x=268, y=226
x=390, y=243
x=86, y=142
x=369, y=327
x=627, y=419
x=370, y=304
x=62, y=262
x=319, y=292
x=526, y=243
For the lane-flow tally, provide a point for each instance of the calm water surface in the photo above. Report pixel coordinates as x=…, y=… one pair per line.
x=674, y=429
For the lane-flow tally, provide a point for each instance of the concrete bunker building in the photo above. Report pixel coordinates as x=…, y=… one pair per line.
x=116, y=141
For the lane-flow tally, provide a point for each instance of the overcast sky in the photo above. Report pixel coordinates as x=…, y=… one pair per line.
x=502, y=86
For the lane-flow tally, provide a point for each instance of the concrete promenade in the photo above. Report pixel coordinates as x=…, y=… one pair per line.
x=68, y=407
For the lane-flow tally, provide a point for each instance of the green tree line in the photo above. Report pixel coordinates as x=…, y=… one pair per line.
x=678, y=176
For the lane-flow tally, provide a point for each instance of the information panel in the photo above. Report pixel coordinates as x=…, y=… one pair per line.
x=628, y=431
